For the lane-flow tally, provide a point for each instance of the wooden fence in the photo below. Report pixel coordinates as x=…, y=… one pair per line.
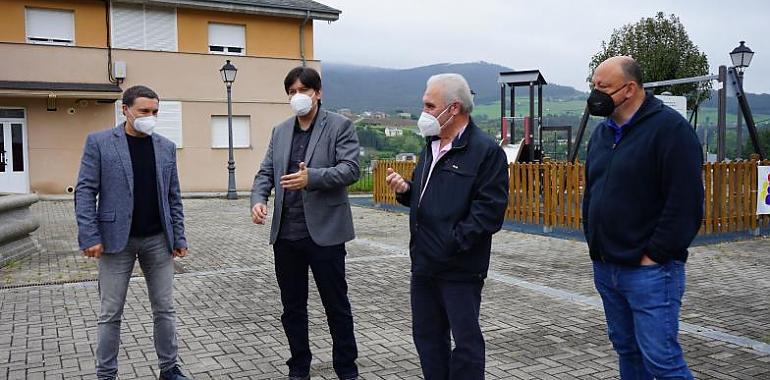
x=551, y=194
x=731, y=197
x=381, y=192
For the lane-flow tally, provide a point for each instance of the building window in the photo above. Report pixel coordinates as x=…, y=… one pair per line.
x=50, y=26
x=143, y=27
x=227, y=39
x=169, y=120
x=241, y=132
x=11, y=113
x=17, y=147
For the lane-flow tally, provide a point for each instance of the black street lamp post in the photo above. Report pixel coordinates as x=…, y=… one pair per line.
x=228, y=72
x=741, y=57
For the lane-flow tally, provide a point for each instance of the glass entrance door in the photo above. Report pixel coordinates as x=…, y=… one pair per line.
x=14, y=174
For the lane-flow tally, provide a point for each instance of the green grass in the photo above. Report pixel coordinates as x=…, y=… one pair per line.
x=365, y=184
x=576, y=107
x=12, y=264
x=7, y=278
x=567, y=107
x=711, y=114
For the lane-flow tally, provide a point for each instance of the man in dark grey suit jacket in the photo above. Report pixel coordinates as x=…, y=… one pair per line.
x=310, y=161
x=138, y=215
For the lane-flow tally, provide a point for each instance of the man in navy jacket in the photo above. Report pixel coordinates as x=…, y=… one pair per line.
x=642, y=207
x=457, y=199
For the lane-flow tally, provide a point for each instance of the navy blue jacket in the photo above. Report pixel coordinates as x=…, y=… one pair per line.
x=463, y=205
x=643, y=195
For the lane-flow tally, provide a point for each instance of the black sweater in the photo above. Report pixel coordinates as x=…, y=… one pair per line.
x=643, y=195
x=146, y=219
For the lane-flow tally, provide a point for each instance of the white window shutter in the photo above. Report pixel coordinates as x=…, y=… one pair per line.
x=241, y=132
x=56, y=25
x=219, y=132
x=227, y=35
x=128, y=26
x=119, y=118
x=160, y=29
x=170, y=121
x=227, y=38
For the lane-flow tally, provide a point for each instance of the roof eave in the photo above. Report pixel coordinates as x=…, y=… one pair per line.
x=94, y=95
x=250, y=9
x=26, y=89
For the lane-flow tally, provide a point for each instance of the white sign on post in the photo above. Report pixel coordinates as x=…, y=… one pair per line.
x=678, y=103
x=763, y=190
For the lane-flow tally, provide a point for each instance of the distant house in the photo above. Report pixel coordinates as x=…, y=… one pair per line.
x=405, y=115
x=389, y=122
x=406, y=157
x=380, y=115
x=393, y=131
x=346, y=112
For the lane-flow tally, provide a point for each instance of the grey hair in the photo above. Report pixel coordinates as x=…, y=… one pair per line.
x=454, y=88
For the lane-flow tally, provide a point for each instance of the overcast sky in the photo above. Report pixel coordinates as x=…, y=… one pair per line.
x=558, y=37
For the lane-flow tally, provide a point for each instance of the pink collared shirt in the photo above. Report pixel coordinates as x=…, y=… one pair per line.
x=438, y=152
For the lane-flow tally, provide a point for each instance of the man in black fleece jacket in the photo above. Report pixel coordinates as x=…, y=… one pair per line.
x=642, y=207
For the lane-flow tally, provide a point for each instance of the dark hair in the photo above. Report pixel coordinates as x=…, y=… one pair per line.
x=130, y=95
x=633, y=71
x=307, y=76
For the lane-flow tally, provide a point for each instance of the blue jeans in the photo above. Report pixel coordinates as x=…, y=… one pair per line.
x=292, y=260
x=641, y=304
x=441, y=307
x=114, y=275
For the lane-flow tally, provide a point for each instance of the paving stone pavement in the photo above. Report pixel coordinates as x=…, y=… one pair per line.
x=539, y=313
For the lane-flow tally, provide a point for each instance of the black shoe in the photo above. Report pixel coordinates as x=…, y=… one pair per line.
x=173, y=374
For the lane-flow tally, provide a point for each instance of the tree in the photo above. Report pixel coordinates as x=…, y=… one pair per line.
x=664, y=50
x=763, y=135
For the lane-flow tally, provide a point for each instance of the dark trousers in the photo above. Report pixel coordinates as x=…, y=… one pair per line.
x=292, y=260
x=441, y=307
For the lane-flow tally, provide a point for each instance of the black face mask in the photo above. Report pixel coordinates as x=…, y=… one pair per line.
x=601, y=103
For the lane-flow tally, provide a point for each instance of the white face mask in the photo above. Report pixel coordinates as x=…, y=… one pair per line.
x=301, y=104
x=145, y=124
x=429, y=124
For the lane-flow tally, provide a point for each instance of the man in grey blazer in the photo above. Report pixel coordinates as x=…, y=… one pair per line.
x=310, y=161
x=138, y=215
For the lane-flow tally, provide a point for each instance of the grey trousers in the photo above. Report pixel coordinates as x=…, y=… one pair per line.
x=115, y=270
